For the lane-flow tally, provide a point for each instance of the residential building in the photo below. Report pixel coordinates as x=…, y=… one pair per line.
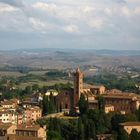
x=7, y=105
x=35, y=112
x=6, y=129
x=8, y=117
x=29, y=114
x=24, y=132
x=20, y=118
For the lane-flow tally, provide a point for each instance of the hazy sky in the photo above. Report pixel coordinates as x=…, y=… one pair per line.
x=95, y=24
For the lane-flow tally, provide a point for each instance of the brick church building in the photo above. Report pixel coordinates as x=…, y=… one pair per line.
x=69, y=99
x=115, y=100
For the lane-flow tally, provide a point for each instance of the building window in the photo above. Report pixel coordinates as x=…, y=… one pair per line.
x=66, y=106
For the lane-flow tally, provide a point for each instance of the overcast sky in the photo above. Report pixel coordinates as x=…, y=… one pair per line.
x=94, y=24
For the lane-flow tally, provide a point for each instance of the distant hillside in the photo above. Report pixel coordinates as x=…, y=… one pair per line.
x=34, y=59
x=62, y=51
x=118, y=52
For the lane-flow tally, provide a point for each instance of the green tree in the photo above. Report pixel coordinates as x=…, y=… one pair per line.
x=122, y=134
x=80, y=130
x=48, y=104
x=53, y=135
x=45, y=105
x=54, y=125
x=52, y=104
x=100, y=120
x=116, y=120
x=101, y=103
x=134, y=135
x=28, y=90
x=35, y=87
x=83, y=104
x=90, y=128
x=138, y=114
x=41, y=121
x=131, y=117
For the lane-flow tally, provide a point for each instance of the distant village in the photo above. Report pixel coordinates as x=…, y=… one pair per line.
x=18, y=117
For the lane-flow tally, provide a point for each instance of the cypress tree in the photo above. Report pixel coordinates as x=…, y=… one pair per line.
x=83, y=104
x=45, y=104
x=101, y=103
x=134, y=135
x=91, y=129
x=80, y=130
x=138, y=114
x=122, y=135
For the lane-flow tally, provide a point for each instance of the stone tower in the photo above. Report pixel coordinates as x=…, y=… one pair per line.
x=78, y=85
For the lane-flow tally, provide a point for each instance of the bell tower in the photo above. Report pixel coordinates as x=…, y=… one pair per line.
x=78, y=85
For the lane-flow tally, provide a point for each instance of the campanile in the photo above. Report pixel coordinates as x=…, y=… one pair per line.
x=78, y=85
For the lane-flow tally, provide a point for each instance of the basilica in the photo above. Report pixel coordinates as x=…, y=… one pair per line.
x=114, y=100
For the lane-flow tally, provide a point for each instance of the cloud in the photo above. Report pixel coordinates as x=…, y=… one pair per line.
x=126, y=11
x=23, y=5
x=36, y=23
x=16, y=3
x=7, y=8
x=121, y=1
x=137, y=11
x=88, y=19
x=88, y=9
x=134, y=1
x=42, y=26
x=108, y=11
x=45, y=6
x=71, y=29
x=96, y=23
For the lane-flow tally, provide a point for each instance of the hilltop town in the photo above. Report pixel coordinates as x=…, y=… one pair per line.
x=27, y=117
x=69, y=69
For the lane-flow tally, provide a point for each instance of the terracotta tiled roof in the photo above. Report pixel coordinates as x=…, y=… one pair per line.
x=109, y=105
x=29, y=128
x=122, y=96
x=6, y=103
x=14, y=100
x=5, y=112
x=130, y=124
